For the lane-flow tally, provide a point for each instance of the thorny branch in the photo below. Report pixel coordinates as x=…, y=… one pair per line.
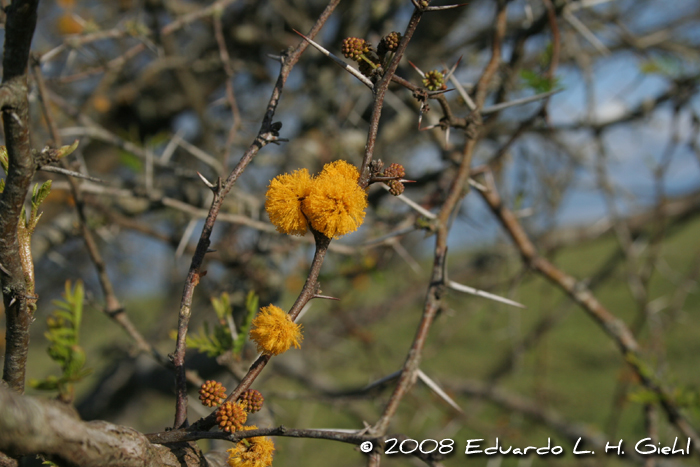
x=438, y=279
x=268, y=133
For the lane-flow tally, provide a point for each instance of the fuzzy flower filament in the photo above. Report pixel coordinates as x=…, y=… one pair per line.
x=336, y=204
x=332, y=202
x=252, y=452
x=283, y=202
x=274, y=332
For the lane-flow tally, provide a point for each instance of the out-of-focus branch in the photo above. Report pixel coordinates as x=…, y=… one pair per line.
x=113, y=307
x=579, y=292
x=550, y=418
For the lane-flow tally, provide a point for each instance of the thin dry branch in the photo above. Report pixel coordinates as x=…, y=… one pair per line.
x=438, y=277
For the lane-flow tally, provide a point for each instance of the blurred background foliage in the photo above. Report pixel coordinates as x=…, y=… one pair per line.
x=142, y=85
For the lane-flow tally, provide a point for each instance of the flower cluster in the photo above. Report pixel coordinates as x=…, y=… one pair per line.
x=434, y=80
x=252, y=452
x=251, y=400
x=212, y=393
x=274, y=332
x=231, y=416
x=369, y=62
x=331, y=203
x=354, y=47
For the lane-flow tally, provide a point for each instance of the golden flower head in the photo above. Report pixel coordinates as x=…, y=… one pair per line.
x=336, y=204
x=283, y=201
x=252, y=452
x=274, y=332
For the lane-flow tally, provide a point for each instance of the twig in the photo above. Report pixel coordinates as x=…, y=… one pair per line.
x=70, y=173
x=366, y=81
x=230, y=94
x=437, y=281
x=307, y=293
x=523, y=101
x=380, y=89
x=266, y=134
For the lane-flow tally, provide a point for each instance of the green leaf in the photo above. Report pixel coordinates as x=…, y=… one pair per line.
x=75, y=363
x=130, y=161
x=64, y=151
x=40, y=194
x=222, y=306
x=204, y=343
x=50, y=383
x=537, y=82
x=643, y=396
x=63, y=331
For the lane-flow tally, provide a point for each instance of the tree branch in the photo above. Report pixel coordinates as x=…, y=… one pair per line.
x=35, y=426
x=19, y=307
x=268, y=133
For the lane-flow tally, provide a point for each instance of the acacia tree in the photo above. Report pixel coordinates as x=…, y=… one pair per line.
x=179, y=127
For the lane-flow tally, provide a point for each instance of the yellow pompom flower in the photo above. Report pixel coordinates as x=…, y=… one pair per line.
x=340, y=168
x=252, y=452
x=274, y=332
x=283, y=201
x=336, y=204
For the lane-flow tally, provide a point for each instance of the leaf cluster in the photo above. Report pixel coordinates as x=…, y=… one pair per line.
x=63, y=336
x=224, y=337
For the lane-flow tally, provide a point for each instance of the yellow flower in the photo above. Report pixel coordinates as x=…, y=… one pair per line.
x=336, y=204
x=283, y=201
x=274, y=331
x=252, y=452
x=340, y=168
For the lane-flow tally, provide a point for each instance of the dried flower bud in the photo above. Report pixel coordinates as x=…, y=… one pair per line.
x=251, y=400
x=231, y=416
x=212, y=393
x=395, y=170
x=395, y=187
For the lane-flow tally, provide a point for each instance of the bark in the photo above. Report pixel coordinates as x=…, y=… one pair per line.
x=19, y=303
x=35, y=426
